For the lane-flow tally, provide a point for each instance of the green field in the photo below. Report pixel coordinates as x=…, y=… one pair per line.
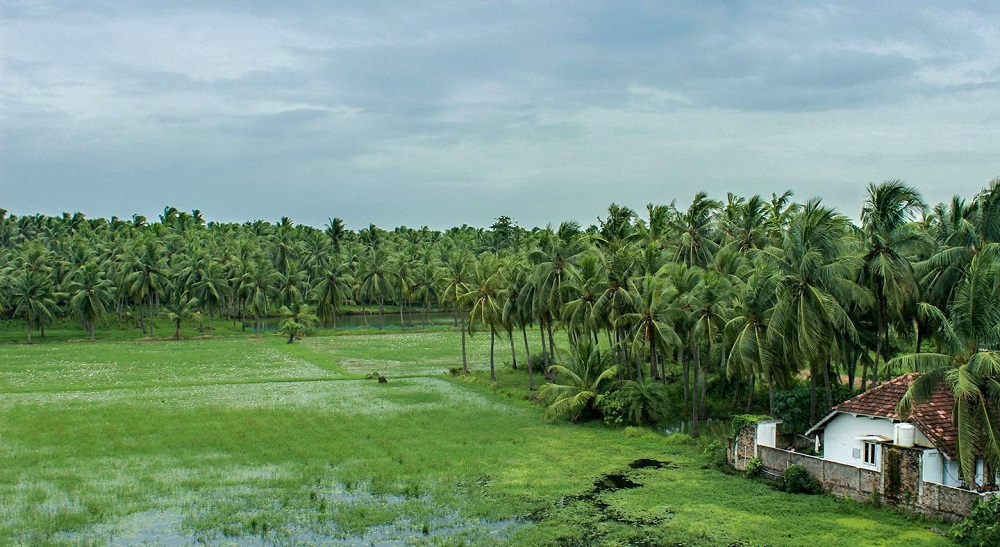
x=250, y=440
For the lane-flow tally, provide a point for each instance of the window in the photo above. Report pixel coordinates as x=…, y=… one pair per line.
x=870, y=453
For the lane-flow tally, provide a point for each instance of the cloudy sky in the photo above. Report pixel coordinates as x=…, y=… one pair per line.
x=443, y=113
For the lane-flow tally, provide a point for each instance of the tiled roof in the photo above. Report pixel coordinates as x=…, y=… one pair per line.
x=932, y=418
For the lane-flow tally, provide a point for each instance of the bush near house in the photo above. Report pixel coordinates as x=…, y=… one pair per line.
x=982, y=527
x=798, y=481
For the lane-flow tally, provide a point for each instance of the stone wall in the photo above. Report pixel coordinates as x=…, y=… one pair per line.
x=901, y=484
x=743, y=449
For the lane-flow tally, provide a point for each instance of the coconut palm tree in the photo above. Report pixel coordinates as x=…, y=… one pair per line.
x=751, y=355
x=457, y=281
x=968, y=366
x=889, y=236
x=178, y=306
x=581, y=382
x=427, y=288
x=708, y=303
x=332, y=289
x=258, y=288
x=649, y=324
x=296, y=319
x=697, y=228
x=212, y=290
x=90, y=294
x=815, y=286
x=377, y=281
x=34, y=298
x=146, y=273
x=585, y=285
x=483, y=300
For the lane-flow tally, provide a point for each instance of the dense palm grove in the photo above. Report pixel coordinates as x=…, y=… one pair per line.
x=726, y=301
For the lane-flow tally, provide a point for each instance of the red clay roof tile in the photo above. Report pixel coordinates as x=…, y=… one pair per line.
x=932, y=418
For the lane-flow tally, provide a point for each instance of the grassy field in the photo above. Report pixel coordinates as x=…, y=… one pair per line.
x=248, y=440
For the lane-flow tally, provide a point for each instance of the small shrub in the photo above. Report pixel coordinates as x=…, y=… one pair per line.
x=537, y=363
x=982, y=526
x=754, y=468
x=716, y=451
x=680, y=439
x=798, y=481
x=632, y=431
x=612, y=409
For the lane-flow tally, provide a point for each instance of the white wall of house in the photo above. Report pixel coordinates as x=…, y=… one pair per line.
x=841, y=443
x=938, y=470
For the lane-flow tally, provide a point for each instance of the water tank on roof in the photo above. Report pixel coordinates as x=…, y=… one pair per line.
x=904, y=435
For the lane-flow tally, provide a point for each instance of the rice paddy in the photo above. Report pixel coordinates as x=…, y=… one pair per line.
x=252, y=441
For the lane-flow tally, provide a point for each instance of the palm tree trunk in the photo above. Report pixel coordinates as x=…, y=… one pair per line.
x=687, y=373
x=654, y=370
x=753, y=382
x=812, y=394
x=878, y=351
x=465, y=362
x=151, y=336
x=770, y=391
x=826, y=382
x=694, y=392
x=864, y=372
x=402, y=322
x=552, y=343
x=493, y=373
x=531, y=368
x=704, y=379
x=513, y=353
x=527, y=350
x=381, y=310
x=545, y=351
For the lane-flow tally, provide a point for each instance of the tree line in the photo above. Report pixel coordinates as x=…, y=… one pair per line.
x=727, y=297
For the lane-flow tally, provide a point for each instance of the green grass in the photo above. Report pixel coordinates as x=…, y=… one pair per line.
x=229, y=439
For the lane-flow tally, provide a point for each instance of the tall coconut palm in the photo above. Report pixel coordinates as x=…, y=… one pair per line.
x=649, y=324
x=332, y=290
x=889, y=236
x=427, y=288
x=90, y=294
x=816, y=283
x=552, y=266
x=697, y=227
x=457, y=281
x=34, y=298
x=585, y=285
x=212, y=290
x=751, y=355
x=258, y=288
x=178, y=306
x=483, y=300
x=376, y=282
x=962, y=232
x=969, y=366
x=708, y=303
x=146, y=275
x=336, y=231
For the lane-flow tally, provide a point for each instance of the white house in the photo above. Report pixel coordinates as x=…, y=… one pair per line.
x=857, y=430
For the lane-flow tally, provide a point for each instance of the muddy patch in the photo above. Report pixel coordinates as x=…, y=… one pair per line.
x=613, y=482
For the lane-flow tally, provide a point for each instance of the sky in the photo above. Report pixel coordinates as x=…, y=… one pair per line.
x=442, y=113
